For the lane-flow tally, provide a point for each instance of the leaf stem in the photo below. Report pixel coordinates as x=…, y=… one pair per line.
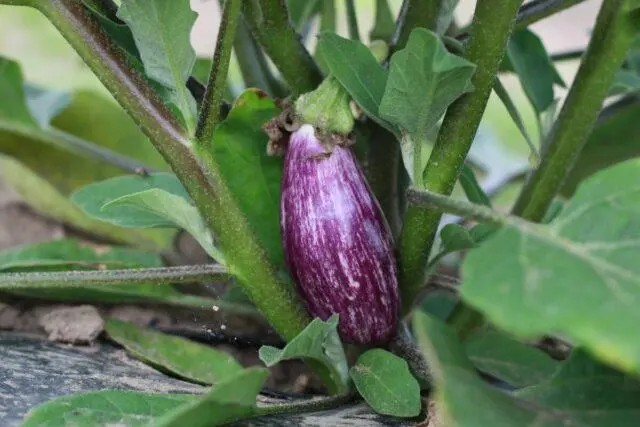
x=493, y=24
x=413, y=14
x=269, y=23
x=352, y=20
x=610, y=42
x=216, y=204
x=531, y=13
x=210, y=110
x=442, y=203
x=311, y=405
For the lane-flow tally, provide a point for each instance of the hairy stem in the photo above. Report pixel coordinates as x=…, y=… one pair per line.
x=269, y=23
x=493, y=23
x=311, y=405
x=209, y=192
x=210, y=110
x=610, y=42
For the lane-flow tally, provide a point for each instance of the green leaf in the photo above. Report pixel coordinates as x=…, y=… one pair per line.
x=508, y=359
x=93, y=197
x=626, y=81
x=472, y=187
x=45, y=198
x=178, y=356
x=161, y=30
x=105, y=408
x=385, y=382
x=508, y=103
x=615, y=138
x=170, y=210
x=252, y=175
x=439, y=304
x=465, y=400
x=577, y=277
x=42, y=151
x=231, y=400
x=357, y=70
x=384, y=24
x=119, y=33
x=319, y=341
x=424, y=79
x=537, y=73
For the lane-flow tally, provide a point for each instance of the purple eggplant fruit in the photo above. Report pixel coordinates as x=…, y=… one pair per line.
x=337, y=243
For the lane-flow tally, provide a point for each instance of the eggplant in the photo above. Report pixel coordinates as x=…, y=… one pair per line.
x=337, y=243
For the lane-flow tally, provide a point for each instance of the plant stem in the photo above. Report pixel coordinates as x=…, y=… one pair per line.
x=413, y=14
x=253, y=62
x=311, y=405
x=128, y=276
x=442, y=203
x=567, y=56
x=487, y=44
x=352, y=20
x=610, y=42
x=269, y=23
x=210, y=110
x=531, y=13
x=209, y=192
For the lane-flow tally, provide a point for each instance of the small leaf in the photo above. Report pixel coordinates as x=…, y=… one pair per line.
x=105, y=408
x=13, y=108
x=508, y=359
x=566, y=277
x=93, y=197
x=606, y=147
x=445, y=17
x=252, y=175
x=626, y=81
x=357, y=70
x=424, y=78
x=472, y=187
x=161, y=30
x=537, y=73
x=439, y=304
x=178, y=356
x=231, y=400
x=44, y=105
x=574, y=399
x=170, y=210
x=118, y=32
x=385, y=382
x=301, y=12
x=318, y=341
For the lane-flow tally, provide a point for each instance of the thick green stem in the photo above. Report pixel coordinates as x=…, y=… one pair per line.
x=213, y=96
x=413, y=14
x=352, y=20
x=612, y=36
x=312, y=405
x=493, y=22
x=269, y=23
x=213, y=199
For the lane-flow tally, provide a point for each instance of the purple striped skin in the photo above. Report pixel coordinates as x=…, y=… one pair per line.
x=337, y=243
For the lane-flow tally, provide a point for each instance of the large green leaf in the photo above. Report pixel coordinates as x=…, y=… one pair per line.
x=231, y=400
x=578, y=276
x=529, y=59
x=319, y=341
x=508, y=359
x=186, y=359
x=252, y=176
x=385, y=382
x=587, y=399
x=161, y=30
x=615, y=138
x=105, y=408
x=424, y=79
x=42, y=152
x=357, y=70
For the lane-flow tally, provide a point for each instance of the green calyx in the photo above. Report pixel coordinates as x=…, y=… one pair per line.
x=327, y=108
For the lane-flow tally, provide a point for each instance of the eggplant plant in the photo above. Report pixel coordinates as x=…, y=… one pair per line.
x=320, y=190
